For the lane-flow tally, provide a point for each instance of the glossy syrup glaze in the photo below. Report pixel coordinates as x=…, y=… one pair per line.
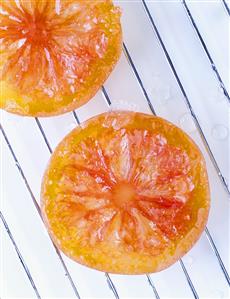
x=51, y=52
x=128, y=193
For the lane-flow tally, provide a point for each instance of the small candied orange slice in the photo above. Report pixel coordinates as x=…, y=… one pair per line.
x=55, y=54
x=126, y=193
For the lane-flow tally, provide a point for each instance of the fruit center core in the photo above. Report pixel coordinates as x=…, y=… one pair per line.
x=35, y=30
x=124, y=195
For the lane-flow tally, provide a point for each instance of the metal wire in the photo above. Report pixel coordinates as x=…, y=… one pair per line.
x=189, y=280
x=128, y=56
x=226, y=7
x=111, y=285
x=43, y=134
x=214, y=68
x=76, y=118
x=26, y=269
x=202, y=135
x=38, y=208
x=213, y=245
x=198, y=126
x=105, y=94
x=152, y=286
x=107, y=98
x=130, y=61
x=109, y=280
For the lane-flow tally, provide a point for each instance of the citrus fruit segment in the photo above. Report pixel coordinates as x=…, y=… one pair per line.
x=55, y=54
x=126, y=193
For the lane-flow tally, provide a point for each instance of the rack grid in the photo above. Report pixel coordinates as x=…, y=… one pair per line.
x=175, y=64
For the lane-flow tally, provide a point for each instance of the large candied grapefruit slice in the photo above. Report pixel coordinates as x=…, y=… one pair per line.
x=126, y=193
x=55, y=54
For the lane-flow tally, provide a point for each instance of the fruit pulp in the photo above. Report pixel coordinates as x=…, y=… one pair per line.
x=126, y=193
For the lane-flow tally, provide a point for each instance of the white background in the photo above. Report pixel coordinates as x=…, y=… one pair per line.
x=211, y=108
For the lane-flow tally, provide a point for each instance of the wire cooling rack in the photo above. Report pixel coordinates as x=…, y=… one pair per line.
x=175, y=64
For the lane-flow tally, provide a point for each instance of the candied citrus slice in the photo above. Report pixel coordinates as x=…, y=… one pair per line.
x=55, y=54
x=126, y=193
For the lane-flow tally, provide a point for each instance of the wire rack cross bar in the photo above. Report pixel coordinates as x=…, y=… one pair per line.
x=108, y=101
x=213, y=66
x=202, y=135
x=109, y=280
x=22, y=261
x=213, y=245
x=131, y=63
x=214, y=248
x=226, y=7
x=37, y=208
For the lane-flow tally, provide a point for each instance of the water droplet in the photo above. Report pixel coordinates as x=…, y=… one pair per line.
x=161, y=93
x=165, y=94
x=220, y=132
x=124, y=105
x=186, y=123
